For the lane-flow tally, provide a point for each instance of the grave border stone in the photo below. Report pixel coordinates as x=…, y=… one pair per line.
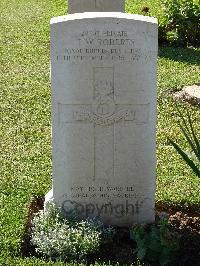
x=79, y=6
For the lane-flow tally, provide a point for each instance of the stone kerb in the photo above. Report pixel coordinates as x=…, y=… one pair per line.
x=79, y=6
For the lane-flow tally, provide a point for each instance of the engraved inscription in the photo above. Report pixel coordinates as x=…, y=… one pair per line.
x=71, y=200
x=106, y=38
x=102, y=46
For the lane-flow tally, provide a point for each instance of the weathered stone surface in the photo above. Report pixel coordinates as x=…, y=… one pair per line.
x=190, y=94
x=103, y=68
x=79, y=6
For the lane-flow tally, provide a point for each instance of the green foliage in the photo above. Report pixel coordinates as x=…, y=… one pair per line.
x=181, y=22
x=155, y=243
x=187, y=129
x=66, y=239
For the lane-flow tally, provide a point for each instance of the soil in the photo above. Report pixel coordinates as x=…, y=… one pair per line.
x=184, y=220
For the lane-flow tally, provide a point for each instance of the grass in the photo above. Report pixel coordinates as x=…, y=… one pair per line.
x=26, y=123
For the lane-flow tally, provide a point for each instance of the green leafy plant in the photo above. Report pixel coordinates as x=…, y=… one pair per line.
x=180, y=24
x=155, y=243
x=192, y=158
x=66, y=239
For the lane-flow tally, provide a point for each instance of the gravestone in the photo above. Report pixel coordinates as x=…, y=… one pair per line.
x=103, y=73
x=79, y=6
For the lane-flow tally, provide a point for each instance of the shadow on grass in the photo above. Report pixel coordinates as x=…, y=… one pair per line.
x=181, y=54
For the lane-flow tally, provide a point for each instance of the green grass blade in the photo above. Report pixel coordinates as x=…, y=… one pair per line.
x=190, y=141
x=183, y=120
x=185, y=158
x=197, y=143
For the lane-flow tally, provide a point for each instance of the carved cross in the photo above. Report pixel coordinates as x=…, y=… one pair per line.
x=104, y=113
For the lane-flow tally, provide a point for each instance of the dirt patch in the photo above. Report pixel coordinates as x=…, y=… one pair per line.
x=34, y=207
x=184, y=220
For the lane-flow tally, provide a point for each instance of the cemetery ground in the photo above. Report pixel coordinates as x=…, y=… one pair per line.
x=26, y=127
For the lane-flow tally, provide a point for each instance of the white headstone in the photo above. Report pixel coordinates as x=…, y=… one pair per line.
x=103, y=68
x=79, y=6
